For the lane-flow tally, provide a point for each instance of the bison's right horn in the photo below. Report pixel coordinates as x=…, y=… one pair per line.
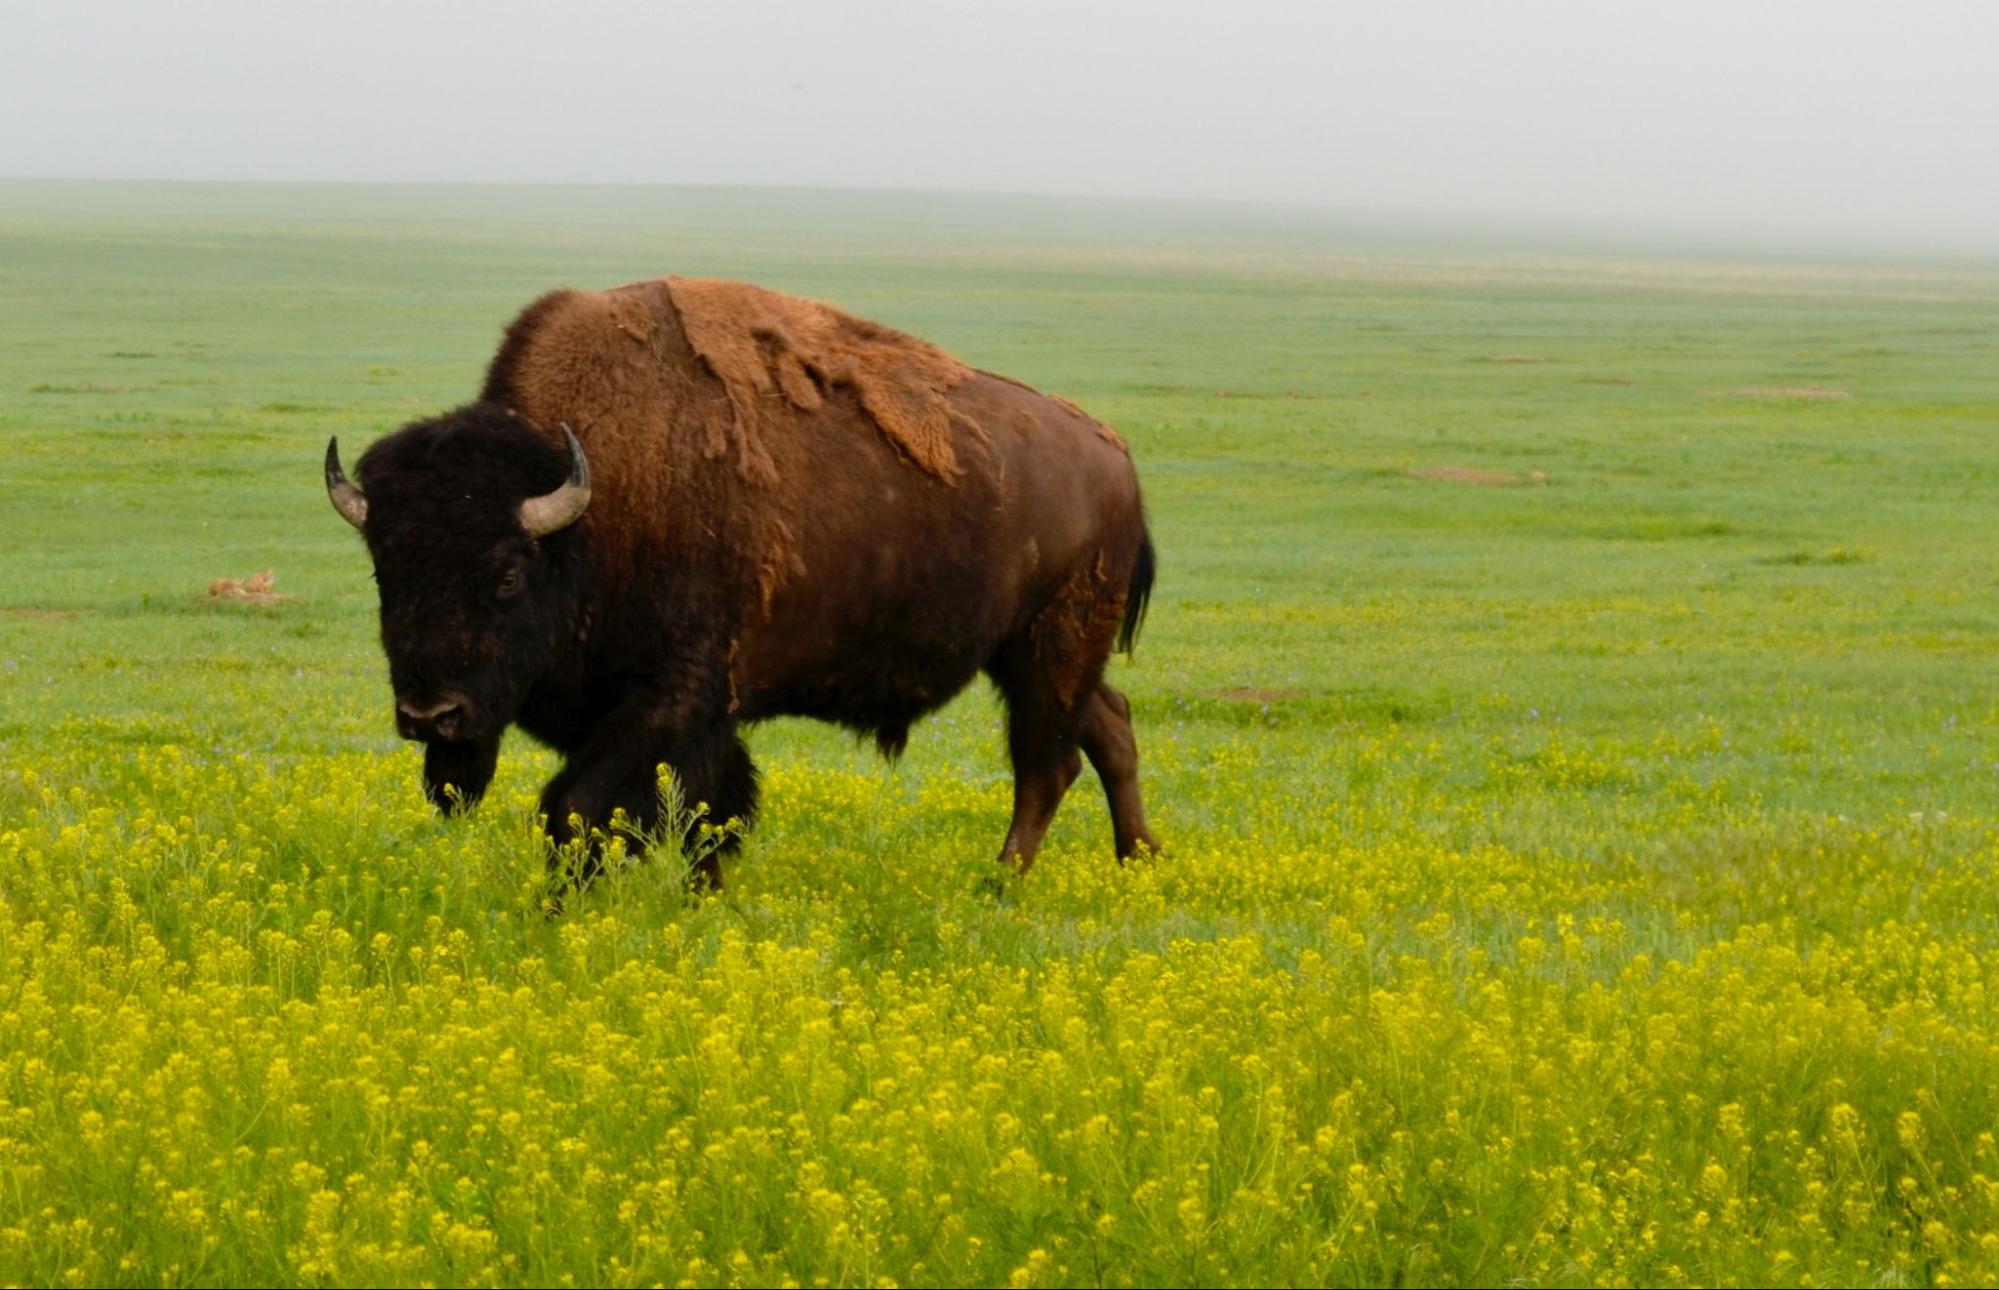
x=347, y=499
x=558, y=510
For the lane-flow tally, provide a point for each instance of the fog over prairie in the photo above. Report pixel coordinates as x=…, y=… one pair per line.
x=1786, y=122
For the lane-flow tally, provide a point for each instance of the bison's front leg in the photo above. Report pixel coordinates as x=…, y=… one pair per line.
x=710, y=764
x=455, y=773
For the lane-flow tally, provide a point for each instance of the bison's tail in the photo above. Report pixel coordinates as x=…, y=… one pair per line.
x=1138, y=595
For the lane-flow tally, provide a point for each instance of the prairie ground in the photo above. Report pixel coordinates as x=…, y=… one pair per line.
x=1568, y=703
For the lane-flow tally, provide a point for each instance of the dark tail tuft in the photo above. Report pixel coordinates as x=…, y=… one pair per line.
x=1138, y=595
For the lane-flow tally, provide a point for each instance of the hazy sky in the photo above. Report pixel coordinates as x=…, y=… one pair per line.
x=1875, y=122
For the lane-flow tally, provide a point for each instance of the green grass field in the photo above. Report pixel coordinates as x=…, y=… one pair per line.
x=1568, y=703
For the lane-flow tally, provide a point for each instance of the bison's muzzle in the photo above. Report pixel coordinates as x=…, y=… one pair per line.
x=445, y=718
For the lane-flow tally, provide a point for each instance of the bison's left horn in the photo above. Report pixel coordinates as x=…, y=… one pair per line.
x=347, y=499
x=563, y=507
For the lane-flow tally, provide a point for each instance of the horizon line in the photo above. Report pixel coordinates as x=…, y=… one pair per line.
x=1596, y=230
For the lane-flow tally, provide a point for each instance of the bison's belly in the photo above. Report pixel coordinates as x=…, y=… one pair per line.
x=878, y=642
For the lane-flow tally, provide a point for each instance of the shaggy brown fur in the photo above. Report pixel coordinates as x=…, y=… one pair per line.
x=793, y=511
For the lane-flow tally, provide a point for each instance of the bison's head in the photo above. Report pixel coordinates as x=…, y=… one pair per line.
x=471, y=519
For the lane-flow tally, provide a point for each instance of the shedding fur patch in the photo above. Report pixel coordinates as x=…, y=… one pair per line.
x=1104, y=430
x=1073, y=634
x=781, y=564
x=771, y=350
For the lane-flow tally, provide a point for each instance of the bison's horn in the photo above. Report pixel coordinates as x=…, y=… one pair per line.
x=563, y=507
x=347, y=499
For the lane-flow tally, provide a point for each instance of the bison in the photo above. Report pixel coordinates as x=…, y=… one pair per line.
x=684, y=505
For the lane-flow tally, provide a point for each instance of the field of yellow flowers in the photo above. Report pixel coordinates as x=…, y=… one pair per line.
x=278, y=1024
x=1592, y=882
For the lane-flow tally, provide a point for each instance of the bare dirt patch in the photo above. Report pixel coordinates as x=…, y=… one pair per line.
x=1784, y=392
x=1516, y=358
x=1478, y=478
x=1835, y=556
x=257, y=589
x=36, y=613
x=1254, y=694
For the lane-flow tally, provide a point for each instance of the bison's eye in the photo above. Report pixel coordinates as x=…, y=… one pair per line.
x=510, y=584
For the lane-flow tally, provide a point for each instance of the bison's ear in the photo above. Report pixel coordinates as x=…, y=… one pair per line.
x=558, y=510
x=347, y=499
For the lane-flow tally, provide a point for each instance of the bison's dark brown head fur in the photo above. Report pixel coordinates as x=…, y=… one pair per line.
x=475, y=608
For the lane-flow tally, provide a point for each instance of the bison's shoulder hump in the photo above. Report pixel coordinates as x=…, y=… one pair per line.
x=769, y=349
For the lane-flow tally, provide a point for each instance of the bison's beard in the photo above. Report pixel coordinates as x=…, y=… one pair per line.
x=455, y=773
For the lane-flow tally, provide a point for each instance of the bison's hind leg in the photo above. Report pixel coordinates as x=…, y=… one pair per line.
x=1050, y=676
x=1113, y=750
x=1041, y=739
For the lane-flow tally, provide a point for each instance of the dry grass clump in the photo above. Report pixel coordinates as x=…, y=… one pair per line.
x=257, y=589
